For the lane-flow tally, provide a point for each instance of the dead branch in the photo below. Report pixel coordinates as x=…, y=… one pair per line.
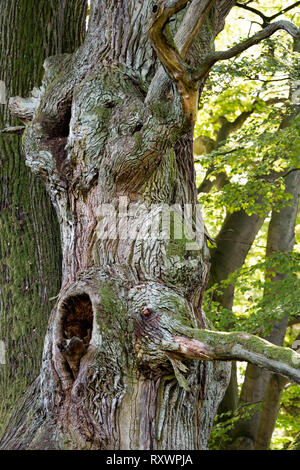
x=216, y=345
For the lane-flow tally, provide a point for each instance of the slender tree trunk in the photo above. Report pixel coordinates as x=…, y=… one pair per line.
x=233, y=242
x=269, y=412
x=232, y=246
x=30, y=266
x=259, y=385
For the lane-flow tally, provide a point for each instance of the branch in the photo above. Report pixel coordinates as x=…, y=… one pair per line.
x=191, y=25
x=13, y=130
x=226, y=152
x=215, y=345
x=253, y=10
x=285, y=10
x=294, y=321
x=24, y=108
x=189, y=28
x=267, y=19
x=221, y=179
x=172, y=61
x=214, y=57
x=163, y=332
x=166, y=52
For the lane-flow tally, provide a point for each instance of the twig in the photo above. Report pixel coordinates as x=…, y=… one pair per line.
x=266, y=19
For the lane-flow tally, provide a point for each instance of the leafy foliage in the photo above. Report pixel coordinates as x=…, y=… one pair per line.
x=225, y=422
x=262, y=299
x=248, y=110
x=288, y=420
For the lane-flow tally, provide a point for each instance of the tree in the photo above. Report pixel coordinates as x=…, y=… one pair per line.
x=129, y=361
x=29, y=233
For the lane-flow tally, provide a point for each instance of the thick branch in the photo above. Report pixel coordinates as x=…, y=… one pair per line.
x=24, y=108
x=191, y=24
x=215, y=345
x=166, y=52
x=183, y=39
x=172, y=61
x=214, y=57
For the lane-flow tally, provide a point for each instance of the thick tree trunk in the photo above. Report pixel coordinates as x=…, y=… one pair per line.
x=126, y=355
x=96, y=142
x=30, y=262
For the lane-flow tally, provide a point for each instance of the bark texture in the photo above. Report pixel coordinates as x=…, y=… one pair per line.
x=94, y=139
x=30, y=258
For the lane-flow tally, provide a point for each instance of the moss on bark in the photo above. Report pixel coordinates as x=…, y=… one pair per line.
x=30, y=260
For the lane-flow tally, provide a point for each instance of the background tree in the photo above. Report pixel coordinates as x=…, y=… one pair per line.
x=29, y=233
x=109, y=122
x=273, y=135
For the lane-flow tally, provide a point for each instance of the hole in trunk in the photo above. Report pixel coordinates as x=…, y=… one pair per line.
x=58, y=127
x=78, y=318
x=77, y=325
x=61, y=128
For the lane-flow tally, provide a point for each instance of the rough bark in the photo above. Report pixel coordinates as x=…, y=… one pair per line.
x=30, y=255
x=94, y=101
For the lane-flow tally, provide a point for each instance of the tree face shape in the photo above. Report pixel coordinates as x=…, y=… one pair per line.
x=118, y=149
x=121, y=156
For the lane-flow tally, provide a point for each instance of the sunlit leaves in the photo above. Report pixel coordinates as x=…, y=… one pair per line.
x=264, y=299
x=288, y=422
x=256, y=153
x=225, y=422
